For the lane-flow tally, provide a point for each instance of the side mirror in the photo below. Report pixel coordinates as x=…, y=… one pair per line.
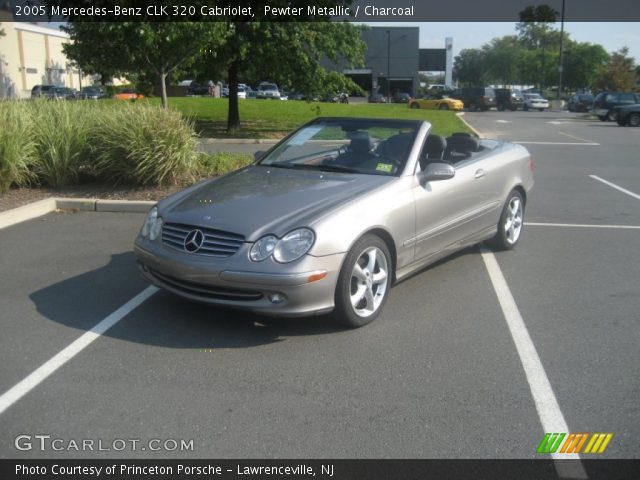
x=436, y=171
x=258, y=155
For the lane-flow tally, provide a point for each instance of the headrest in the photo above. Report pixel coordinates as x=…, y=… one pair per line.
x=361, y=144
x=395, y=145
x=463, y=144
x=435, y=145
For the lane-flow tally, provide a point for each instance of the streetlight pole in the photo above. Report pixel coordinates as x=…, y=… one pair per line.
x=389, y=66
x=561, y=50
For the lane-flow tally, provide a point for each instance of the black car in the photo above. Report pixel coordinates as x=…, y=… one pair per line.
x=627, y=115
x=377, y=97
x=475, y=98
x=580, y=103
x=92, y=93
x=401, y=97
x=507, y=99
x=605, y=101
x=196, y=88
x=42, y=91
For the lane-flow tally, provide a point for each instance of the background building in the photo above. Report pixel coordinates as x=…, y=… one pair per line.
x=32, y=55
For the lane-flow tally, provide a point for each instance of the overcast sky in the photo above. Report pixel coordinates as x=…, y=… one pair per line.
x=612, y=36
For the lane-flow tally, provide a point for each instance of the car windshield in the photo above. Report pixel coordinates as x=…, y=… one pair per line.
x=533, y=96
x=374, y=147
x=269, y=86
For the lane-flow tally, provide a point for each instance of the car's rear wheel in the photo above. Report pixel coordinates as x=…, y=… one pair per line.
x=415, y=105
x=473, y=107
x=443, y=106
x=611, y=116
x=364, y=282
x=634, y=120
x=511, y=223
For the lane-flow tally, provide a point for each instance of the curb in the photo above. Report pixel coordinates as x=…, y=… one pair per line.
x=48, y=205
x=460, y=115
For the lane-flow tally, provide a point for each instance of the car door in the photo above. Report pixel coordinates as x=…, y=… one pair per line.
x=449, y=211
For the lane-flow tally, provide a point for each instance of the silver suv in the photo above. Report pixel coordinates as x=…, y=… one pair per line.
x=268, y=90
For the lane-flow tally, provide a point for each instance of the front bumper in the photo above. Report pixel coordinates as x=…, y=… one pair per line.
x=304, y=287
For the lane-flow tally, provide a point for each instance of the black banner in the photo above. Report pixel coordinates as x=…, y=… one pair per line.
x=319, y=469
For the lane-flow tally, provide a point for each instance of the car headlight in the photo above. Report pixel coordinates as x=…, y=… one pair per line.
x=289, y=248
x=152, y=225
x=263, y=248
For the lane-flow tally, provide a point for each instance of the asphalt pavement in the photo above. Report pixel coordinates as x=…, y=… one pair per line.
x=437, y=375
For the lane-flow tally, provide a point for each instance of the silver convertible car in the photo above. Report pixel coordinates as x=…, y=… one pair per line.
x=333, y=215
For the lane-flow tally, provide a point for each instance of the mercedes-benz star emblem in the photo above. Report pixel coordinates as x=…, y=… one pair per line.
x=193, y=241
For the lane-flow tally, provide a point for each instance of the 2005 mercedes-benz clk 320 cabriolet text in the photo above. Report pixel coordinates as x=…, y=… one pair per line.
x=329, y=218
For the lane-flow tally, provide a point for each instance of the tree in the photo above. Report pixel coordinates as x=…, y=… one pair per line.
x=501, y=56
x=534, y=30
x=471, y=67
x=618, y=73
x=582, y=63
x=151, y=48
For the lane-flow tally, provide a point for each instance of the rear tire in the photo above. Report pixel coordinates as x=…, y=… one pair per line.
x=634, y=120
x=611, y=116
x=510, y=224
x=364, y=282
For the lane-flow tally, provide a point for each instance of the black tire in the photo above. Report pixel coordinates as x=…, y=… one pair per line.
x=415, y=105
x=611, y=116
x=473, y=107
x=621, y=122
x=443, y=106
x=501, y=240
x=500, y=107
x=345, y=312
x=525, y=107
x=602, y=118
x=634, y=120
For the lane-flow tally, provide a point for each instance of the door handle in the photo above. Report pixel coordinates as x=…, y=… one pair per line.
x=479, y=173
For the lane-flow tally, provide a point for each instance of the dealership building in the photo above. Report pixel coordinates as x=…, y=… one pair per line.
x=393, y=59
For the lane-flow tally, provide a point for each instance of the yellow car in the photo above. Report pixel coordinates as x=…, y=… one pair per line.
x=436, y=102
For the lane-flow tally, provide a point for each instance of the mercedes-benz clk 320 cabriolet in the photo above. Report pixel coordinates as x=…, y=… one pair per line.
x=329, y=218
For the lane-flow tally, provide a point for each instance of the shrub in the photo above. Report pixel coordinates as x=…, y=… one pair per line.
x=17, y=145
x=61, y=130
x=144, y=144
x=212, y=164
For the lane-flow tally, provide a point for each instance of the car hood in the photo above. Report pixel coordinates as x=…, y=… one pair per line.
x=260, y=200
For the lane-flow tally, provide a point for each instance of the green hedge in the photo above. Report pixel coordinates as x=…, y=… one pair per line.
x=59, y=143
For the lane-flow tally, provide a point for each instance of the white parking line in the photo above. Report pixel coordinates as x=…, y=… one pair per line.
x=579, y=225
x=545, y=400
x=575, y=137
x=617, y=187
x=41, y=373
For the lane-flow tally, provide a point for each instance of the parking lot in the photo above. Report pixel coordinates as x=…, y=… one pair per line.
x=449, y=369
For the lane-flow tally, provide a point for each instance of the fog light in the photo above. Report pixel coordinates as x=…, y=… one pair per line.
x=276, y=298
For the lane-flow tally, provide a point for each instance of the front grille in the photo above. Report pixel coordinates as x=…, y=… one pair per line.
x=217, y=243
x=206, y=291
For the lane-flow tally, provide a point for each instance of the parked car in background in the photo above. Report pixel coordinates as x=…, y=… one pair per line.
x=128, y=94
x=507, y=99
x=581, y=102
x=268, y=90
x=377, y=97
x=92, y=93
x=42, y=91
x=604, y=102
x=627, y=115
x=197, y=89
x=329, y=218
x=535, y=101
x=437, y=101
x=475, y=98
x=401, y=97
x=62, y=93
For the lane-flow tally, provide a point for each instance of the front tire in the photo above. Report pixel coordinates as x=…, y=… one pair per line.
x=510, y=224
x=634, y=120
x=364, y=282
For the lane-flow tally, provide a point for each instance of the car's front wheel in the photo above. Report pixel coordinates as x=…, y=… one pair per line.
x=634, y=120
x=511, y=222
x=364, y=282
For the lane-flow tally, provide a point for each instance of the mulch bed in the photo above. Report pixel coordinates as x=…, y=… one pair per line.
x=17, y=197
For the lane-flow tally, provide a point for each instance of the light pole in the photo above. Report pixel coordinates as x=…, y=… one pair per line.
x=561, y=50
x=389, y=66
